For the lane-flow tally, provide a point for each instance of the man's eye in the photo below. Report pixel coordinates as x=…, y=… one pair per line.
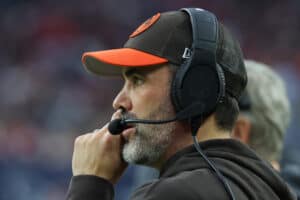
x=137, y=80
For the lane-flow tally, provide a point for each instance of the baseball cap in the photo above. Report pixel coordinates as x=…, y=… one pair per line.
x=163, y=38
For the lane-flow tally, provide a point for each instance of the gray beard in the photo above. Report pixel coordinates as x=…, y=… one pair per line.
x=150, y=142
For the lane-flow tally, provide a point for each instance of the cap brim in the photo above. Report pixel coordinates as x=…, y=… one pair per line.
x=109, y=62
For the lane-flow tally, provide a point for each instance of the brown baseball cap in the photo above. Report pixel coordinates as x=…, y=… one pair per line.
x=163, y=38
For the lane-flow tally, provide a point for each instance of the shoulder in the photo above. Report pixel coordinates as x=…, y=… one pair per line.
x=196, y=184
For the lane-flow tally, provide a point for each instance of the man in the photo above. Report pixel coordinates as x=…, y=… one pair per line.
x=265, y=112
x=265, y=116
x=181, y=67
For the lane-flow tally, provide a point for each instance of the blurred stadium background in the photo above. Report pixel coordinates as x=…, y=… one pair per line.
x=47, y=98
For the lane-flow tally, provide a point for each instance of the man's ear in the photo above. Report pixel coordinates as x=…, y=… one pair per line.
x=241, y=130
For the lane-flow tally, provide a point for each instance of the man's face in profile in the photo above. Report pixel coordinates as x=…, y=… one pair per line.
x=146, y=95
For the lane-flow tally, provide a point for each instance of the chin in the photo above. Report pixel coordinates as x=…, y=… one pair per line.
x=139, y=154
x=148, y=144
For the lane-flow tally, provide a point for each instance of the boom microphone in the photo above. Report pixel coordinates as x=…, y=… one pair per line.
x=117, y=126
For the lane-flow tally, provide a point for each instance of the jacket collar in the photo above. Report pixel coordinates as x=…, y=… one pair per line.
x=189, y=159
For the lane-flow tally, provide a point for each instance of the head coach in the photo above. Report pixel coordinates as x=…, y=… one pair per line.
x=183, y=73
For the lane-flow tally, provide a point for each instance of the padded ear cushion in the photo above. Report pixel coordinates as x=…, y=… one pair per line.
x=222, y=83
x=176, y=86
x=196, y=84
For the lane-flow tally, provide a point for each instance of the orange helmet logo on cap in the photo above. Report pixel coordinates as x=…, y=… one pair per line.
x=146, y=25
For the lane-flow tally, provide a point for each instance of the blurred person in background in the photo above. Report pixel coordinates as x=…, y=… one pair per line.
x=264, y=112
x=264, y=118
x=156, y=56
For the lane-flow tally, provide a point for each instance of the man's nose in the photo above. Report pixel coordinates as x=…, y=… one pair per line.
x=122, y=100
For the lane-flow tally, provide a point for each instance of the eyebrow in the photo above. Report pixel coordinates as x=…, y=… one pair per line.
x=141, y=71
x=130, y=71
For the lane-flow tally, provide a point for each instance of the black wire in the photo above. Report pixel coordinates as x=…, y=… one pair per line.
x=219, y=174
x=146, y=121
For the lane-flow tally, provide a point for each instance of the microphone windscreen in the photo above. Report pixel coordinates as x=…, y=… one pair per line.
x=116, y=126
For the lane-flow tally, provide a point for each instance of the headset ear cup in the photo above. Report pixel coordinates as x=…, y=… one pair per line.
x=201, y=85
x=196, y=84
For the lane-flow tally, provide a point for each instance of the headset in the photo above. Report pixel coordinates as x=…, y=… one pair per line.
x=199, y=82
x=198, y=85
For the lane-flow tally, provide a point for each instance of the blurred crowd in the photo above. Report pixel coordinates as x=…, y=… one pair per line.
x=47, y=97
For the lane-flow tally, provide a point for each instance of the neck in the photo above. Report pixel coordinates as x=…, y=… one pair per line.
x=209, y=131
x=182, y=138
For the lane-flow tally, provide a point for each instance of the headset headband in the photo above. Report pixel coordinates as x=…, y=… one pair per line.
x=204, y=45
